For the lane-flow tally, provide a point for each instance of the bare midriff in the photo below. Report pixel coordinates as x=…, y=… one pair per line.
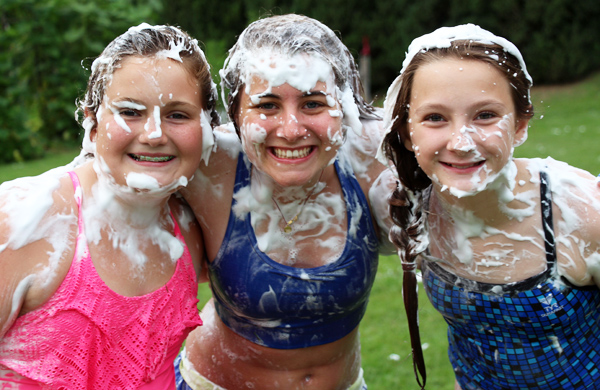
x=232, y=362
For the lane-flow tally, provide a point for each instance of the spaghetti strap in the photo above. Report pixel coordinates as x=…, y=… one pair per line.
x=76, y=187
x=547, y=221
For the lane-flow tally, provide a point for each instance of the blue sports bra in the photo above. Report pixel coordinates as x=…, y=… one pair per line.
x=283, y=307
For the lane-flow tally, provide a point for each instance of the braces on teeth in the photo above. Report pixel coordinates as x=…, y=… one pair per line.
x=152, y=159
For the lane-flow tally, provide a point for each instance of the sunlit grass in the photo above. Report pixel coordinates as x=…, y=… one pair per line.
x=35, y=167
x=566, y=124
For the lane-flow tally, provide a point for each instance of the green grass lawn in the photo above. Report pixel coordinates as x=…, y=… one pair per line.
x=566, y=126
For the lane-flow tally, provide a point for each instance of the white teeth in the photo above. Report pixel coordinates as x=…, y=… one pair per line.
x=151, y=159
x=291, y=154
x=463, y=166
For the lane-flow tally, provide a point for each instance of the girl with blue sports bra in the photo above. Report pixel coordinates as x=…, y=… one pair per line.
x=99, y=263
x=509, y=248
x=290, y=225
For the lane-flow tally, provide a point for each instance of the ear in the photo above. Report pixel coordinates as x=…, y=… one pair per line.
x=89, y=115
x=521, y=132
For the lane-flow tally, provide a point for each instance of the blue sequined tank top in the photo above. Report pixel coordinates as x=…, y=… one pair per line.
x=539, y=333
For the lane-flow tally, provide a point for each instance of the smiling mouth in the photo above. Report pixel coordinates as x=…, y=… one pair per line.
x=465, y=166
x=139, y=157
x=292, y=153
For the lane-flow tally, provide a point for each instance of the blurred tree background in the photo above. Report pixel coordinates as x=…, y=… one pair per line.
x=47, y=46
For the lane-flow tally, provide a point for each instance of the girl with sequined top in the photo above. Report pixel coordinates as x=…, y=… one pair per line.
x=288, y=218
x=99, y=265
x=509, y=248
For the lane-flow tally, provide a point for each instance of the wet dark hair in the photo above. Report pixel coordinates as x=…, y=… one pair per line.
x=407, y=201
x=289, y=35
x=146, y=40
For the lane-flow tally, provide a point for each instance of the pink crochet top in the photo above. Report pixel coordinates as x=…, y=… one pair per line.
x=89, y=337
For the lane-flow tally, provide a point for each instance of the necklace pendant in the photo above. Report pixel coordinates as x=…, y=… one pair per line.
x=287, y=229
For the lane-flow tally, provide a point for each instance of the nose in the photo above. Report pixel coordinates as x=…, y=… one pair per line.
x=153, y=134
x=290, y=127
x=461, y=140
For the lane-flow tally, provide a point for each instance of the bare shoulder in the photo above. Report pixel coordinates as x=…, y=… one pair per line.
x=38, y=225
x=574, y=189
x=576, y=200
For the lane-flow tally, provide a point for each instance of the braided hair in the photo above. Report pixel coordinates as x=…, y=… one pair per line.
x=408, y=201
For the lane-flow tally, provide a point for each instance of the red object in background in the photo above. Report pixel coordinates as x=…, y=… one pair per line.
x=366, y=47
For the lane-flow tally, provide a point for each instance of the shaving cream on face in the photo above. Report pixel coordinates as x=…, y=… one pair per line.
x=27, y=205
x=440, y=39
x=301, y=71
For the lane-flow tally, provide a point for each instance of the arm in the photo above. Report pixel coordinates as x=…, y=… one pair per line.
x=379, y=195
x=210, y=192
x=376, y=180
x=14, y=286
x=35, y=242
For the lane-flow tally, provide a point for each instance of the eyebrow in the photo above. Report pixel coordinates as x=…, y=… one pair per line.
x=176, y=103
x=265, y=95
x=137, y=105
x=439, y=106
x=305, y=94
x=314, y=93
x=128, y=103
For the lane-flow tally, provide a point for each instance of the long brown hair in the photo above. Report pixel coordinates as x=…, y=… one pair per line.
x=407, y=201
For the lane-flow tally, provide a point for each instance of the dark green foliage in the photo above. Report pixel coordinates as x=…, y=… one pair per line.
x=560, y=39
x=42, y=45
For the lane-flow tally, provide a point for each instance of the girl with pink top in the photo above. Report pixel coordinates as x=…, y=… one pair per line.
x=99, y=264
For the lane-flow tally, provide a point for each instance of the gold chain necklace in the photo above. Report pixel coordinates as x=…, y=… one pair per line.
x=288, y=224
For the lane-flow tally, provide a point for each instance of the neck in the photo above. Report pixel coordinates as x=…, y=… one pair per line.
x=265, y=189
x=502, y=200
x=107, y=201
x=129, y=221
x=483, y=205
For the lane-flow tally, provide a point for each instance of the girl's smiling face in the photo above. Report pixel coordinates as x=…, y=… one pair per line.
x=289, y=134
x=149, y=123
x=462, y=124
